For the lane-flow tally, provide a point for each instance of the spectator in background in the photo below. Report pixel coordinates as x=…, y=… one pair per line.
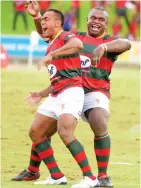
x=121, y=10
x=138, y=6
x=76, y=6
x=44, y=5
x=103, y=4
x=132, y=29
x=70, y=20
x=19, y=10
x=117, y=27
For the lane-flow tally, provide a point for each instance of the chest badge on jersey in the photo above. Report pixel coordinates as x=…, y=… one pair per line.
x=85, y=61
x=52, y=70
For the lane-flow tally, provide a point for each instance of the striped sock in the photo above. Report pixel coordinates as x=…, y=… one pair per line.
x=45, y=152
x=35, y=160
x=79, y=155
x=102, y=147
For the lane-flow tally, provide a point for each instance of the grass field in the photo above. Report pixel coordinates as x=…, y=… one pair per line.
x=16, y=119
x=7, y=17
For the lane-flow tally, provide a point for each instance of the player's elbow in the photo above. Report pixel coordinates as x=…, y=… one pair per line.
x=78, y=44
x=127, y=44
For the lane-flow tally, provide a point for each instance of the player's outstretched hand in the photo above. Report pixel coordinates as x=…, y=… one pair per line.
x=32, y=7
x=44, y=61
x=33, y=99
x=96, y=55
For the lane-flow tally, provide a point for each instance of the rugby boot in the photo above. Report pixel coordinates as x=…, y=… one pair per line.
x=26, y=175
x=105, y=181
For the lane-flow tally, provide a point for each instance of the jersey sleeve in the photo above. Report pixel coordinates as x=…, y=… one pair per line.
x=67, y=36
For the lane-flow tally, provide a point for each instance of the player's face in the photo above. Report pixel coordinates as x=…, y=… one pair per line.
x=48, y=24
x=97, y=23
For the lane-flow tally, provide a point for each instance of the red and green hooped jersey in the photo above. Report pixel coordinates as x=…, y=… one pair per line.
x=64, y=71
x=96, y=78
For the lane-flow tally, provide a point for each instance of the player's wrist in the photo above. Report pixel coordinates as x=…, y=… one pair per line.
x=52, y=54
x=37, y=16
x=41, y=95
x=104, y=47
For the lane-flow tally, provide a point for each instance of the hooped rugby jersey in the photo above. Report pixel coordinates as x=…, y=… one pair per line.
x=64, y=71
x=96, y=78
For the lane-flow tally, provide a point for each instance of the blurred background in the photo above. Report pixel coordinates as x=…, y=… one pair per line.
x=18, y=39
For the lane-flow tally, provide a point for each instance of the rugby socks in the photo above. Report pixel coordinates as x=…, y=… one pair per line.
x=102, y=147
x=35, y=160
x=79, y=155
x=45, y=153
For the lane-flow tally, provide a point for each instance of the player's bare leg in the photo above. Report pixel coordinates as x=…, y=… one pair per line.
x=66, y=127
x=98, y=118
x=42, y=128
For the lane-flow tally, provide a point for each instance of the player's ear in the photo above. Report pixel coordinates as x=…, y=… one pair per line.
x=58, y=23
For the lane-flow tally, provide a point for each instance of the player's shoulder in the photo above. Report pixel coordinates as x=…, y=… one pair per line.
x=109, y=37
x=67, y=34
x=81, y=33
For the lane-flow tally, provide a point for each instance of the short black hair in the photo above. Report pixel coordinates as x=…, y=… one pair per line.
x=59, y=15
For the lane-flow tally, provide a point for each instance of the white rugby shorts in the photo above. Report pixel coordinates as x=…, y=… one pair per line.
x=93, y=100
x=69, y=101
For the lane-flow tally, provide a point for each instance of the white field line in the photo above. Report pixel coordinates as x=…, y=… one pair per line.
x=121, y=163
x=136, y=128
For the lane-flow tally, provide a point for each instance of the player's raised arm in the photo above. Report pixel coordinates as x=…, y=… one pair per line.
x=32, y=7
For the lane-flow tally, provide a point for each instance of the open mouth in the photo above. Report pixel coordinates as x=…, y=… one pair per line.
x=95, y=27
x=44, y=29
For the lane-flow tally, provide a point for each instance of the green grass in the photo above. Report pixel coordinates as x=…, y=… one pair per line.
x=7, y=17
x=16, y=120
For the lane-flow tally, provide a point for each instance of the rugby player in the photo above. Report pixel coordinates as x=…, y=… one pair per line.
x=66, y=81
x=103, y=50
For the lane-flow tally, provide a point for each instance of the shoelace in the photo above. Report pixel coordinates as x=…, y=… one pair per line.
x=23, y=172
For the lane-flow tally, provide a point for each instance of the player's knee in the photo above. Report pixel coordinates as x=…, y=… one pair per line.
x=99, y=126
x=33, y=134
x=64, y=133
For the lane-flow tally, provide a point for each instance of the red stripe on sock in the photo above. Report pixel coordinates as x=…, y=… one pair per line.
x=92, y=177
x=46, y=153
x=35, y=158
x=80, y=157
x=86, y=168
x=102, y=152
x=102, y=164
x=51, y=165
x=33, y=169
x=102, y=174
x=57, y=175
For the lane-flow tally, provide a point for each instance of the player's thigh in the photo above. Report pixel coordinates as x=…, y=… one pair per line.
x=96, y=111
x=71, y=102
x=94, y=100
x=43, y=125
